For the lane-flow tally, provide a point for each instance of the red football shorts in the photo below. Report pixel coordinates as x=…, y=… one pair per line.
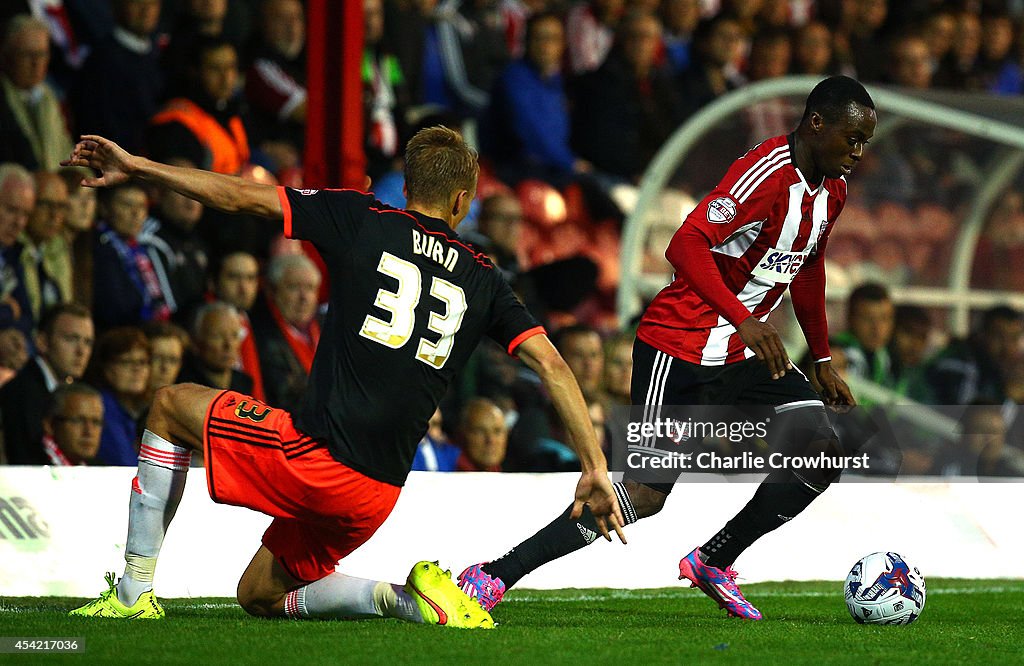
x=322, y=509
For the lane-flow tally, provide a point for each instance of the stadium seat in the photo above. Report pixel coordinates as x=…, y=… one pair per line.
x=542, y=204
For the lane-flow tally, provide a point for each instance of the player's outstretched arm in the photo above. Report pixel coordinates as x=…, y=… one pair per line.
x=594, y=488
x=230, y=194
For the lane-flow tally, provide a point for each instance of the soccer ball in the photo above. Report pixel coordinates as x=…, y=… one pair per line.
x=883, y=589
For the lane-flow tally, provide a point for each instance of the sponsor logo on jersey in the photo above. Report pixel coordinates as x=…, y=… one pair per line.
x=308, y=192
x=721, y=210
x=779, y=266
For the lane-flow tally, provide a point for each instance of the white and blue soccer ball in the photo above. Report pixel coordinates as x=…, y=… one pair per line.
x=882, y=588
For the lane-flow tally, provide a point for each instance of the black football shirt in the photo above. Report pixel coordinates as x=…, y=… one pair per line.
x=409, y=302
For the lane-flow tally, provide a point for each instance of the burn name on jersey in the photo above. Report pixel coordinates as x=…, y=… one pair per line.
x=435, y=250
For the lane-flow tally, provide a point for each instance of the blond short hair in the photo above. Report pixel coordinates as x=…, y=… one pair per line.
x=438, y=163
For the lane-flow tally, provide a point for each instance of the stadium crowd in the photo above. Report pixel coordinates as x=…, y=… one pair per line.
x=108, y=295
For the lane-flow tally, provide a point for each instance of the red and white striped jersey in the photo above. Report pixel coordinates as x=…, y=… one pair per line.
x=763, y=223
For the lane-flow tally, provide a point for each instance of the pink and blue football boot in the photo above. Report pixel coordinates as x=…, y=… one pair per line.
x=719, y=584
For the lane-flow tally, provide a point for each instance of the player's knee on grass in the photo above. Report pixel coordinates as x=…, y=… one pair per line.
x=257, y=599
x=263, y=586
x=645, y=500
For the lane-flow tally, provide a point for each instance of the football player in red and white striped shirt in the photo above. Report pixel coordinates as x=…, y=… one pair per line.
x=704, y=340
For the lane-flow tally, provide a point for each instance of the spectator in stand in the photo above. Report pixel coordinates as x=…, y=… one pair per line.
x=812, y=50
x=908, y=350
x=680, y=18
x=64, y=342
x=910, y=63
x=960, y=69
x=32, y=128
x=1001, y=74
x=121, y=85
x=515, y=14
x=435, y=453
x=618, y=368
x=181, y=249
x=983, y=447
x=528, y=123
x=583, y=351
x=235, y=280
x=498, y=230
x=537, y=442
x=870, y=317
x=464, y=53
x=483, y=436
x=286, y=328
x=407, y=31
x=275, y=83
x=13, y=354
x=17, y=202
x=216, y=338
x=716, y=47
x=771, y=53
x=130, y=289
x=613, y=411
x=78, y=226
x=591, y=26
x=46, y=258
x=72, y=425
x=971, y=370
x=167, y=345
x=69, y=43
x=385, y=96
x=939, y=30
x=197, y=21
x=624, y=111
x=206, y=127
x=860, y=30
x=120, y=370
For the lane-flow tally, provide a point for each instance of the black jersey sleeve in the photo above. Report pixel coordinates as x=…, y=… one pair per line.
x=327, y=218
x=511, y=322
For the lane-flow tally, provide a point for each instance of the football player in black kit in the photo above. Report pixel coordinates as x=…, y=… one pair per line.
x=410, y=303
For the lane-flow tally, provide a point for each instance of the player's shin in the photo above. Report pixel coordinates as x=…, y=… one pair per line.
x=338, y=596
x=559, y=538
x=156, y=491
x=804, y=431
x=778, y=499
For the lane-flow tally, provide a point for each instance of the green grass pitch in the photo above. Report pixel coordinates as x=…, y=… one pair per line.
x=964, y=621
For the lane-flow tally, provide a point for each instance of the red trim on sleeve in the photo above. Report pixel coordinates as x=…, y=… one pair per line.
x=286, y=209
x=523, y=337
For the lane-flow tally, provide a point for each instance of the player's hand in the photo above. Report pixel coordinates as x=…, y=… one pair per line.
x=595, y=490
x=764, y=341
x=113, y=162
x=833, y=389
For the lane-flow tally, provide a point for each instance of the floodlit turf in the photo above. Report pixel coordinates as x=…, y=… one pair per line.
x=964, y=621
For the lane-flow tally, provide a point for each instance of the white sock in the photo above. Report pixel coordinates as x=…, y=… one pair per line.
x=338, y=596
x=156, y=491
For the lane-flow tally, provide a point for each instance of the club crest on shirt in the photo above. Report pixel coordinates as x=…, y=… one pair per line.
x=721, y=210
x=308, y=192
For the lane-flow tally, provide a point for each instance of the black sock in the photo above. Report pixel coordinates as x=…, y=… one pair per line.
x=774, y=504
x=562, y=536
